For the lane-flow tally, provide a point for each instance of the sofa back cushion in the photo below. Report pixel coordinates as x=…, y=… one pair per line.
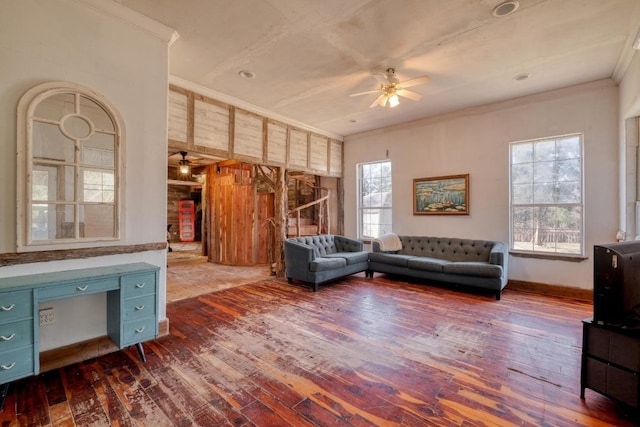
x=451, y=249
x=322, y=245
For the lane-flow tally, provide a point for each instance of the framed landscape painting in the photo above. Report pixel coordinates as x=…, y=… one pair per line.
x=441, y=195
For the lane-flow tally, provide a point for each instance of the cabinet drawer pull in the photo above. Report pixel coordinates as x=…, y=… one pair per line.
x=7, y=367
x=9, y=338
x=140, y=330
x=139, y=307
x=7, y=308
x=82, y=288
x=140, y=285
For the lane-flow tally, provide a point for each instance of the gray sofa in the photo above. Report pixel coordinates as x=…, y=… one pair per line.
x=475, y=263
x=319, y=259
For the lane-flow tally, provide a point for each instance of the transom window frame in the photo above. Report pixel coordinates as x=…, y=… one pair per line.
x=25, y=161
x=564, y=255
x=361, y=208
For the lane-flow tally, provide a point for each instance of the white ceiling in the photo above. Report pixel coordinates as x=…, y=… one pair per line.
x=309, y=55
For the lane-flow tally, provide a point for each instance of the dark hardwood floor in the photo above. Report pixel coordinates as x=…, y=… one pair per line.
x=360, y=352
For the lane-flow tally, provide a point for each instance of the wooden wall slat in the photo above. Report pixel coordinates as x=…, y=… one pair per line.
x=319, y=147
x=211, y=126
x=248, y=135
x=298, y=149
x=276, y=143
x=335, y=161
x=177, y=121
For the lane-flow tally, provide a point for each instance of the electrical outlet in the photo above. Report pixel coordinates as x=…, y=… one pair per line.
x=46, y=316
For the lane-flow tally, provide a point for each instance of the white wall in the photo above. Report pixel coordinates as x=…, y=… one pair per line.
x=93, y=43
x=476, y=141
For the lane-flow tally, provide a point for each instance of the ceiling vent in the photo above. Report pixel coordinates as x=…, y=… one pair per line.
x=505, y=8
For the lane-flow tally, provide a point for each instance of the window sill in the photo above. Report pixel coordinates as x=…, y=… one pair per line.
x=549, y=256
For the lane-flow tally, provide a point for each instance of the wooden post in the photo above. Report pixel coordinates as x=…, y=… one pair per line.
x=280, y=221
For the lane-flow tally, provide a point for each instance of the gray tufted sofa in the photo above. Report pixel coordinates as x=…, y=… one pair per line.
x=476, y=263
x=318, y=259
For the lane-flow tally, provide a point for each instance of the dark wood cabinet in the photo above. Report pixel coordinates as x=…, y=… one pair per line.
x=611, y=362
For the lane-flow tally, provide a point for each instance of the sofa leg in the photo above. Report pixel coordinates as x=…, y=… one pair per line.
x=498, y=295
x=315, y=287
x=369, y=273
x=289, y=280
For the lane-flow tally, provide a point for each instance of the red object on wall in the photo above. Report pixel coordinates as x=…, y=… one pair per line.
x=187, y=220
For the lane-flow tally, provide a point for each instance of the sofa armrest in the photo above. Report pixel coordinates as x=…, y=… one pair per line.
x=298, y=252
x=347, y=244
x=499, y=255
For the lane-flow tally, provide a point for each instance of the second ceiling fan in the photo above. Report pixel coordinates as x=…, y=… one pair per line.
x=392, y=88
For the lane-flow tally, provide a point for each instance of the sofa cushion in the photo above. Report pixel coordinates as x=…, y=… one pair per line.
x=350, y=257
x=483, y=269
x=392, y=259
x=325, y=263
x=427, y=264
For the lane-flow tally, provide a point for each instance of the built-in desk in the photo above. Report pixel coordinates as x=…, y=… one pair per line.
x=132, y=311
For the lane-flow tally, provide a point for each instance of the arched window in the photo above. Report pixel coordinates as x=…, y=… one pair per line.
x=69, y=142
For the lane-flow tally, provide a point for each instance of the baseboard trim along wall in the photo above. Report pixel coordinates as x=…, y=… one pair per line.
x=553, y=290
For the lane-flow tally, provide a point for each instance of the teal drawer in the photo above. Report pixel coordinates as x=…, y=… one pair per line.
x=78, y=288
x=15, y=305
x=135, y=285
x=16, y=364
x=137, y=308
x=16, y=334
x=140, y=330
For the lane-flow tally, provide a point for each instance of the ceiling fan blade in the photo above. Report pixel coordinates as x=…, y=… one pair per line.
x=408, y=94
x=415, y=82
x=365, y=93
x=381, y=101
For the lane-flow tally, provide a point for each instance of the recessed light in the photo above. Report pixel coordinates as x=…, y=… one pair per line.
x=353, y=121
x=245, y=74
x=520, y=77
x=505, y=8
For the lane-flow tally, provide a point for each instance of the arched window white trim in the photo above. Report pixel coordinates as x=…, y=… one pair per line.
x=70, y=150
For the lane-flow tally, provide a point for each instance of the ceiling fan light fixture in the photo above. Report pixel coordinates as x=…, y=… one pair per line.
x=394, y=101
x=184, y=165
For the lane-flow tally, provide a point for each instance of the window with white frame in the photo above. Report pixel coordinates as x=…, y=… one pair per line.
x=374, y=199
x=68, y=162
x=546, y=196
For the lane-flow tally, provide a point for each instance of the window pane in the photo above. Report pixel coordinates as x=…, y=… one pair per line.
x=569, y=148
x=99, y=150
x=544, y=150
x=521, y=153
x=522, y=194
x=94, y=112
x=50, y=144
x=53, y=183
x=98, y=186
x=98, y=220
x=55, y=107
x=522, y=173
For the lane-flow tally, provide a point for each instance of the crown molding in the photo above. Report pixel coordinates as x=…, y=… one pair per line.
x=113, y=9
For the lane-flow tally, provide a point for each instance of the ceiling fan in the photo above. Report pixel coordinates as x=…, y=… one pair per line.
x=392, y=88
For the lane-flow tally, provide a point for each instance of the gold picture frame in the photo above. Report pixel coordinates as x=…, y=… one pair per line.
x=441, y=195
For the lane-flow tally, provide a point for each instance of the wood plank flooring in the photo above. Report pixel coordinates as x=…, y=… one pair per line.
x=360, y=352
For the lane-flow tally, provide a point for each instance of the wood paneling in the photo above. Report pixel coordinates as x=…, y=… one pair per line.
x=319, y=160
x=276, y=143
x=298, y=150
x=177, y=116
x=248, y=137
x=211, y=125
x=335, y=158
x=360, y=352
